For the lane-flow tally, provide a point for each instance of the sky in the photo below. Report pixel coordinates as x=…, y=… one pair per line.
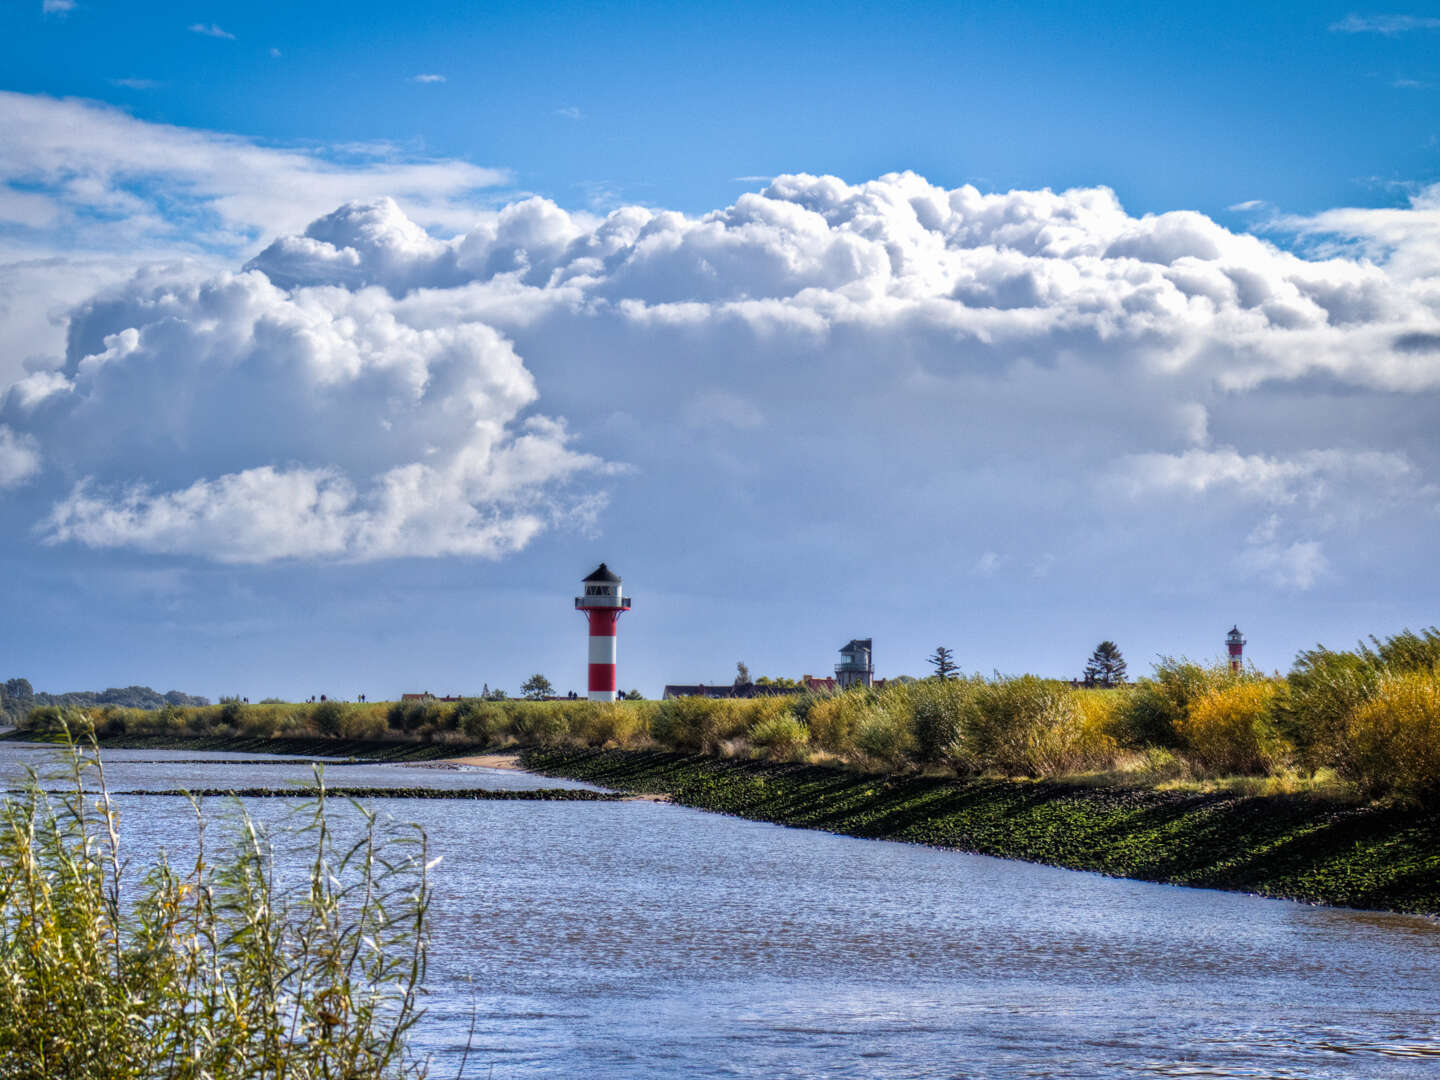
x=339, y=342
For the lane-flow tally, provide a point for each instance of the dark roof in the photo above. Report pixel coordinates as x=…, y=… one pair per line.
x=857, y=643
x=603, y=573
x=727, y=690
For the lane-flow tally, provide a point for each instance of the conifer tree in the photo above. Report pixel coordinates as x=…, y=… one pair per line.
x=1106, y=667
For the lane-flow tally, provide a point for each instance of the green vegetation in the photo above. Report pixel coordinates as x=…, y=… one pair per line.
x=210, y=969
x=18, y=697
x=1363, y=724
x=1293, y=846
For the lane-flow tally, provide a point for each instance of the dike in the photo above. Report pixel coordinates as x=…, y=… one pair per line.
x=1379, y=857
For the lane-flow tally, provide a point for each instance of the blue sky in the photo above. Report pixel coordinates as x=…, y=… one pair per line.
x=1010, y=328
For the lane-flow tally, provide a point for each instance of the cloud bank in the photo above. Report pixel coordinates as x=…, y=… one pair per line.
x=966, y=361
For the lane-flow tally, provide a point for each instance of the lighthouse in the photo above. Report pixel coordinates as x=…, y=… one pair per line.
x=603, y=605
x=1235, y=644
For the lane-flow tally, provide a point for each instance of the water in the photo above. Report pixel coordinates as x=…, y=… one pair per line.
x=637, y=939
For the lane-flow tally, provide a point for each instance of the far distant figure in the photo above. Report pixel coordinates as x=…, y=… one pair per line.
x=322, y=697
x=362, y=697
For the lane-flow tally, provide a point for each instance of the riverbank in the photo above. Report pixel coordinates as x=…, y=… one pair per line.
x=1382, y=856
x=1296, y=847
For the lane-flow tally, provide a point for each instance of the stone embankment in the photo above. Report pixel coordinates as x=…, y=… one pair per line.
x=1384, y=857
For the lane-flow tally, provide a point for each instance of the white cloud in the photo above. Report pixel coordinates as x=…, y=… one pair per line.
x=379, y=437
x=1388, y=25
x=1296, y=566
x=19, y=458
x=275, y=53
x=1310, y=475
x=569, y=112
x=117, y=181
x=1012, y=349
x=987, y=564
x=88, y=193
x=427, y=78
x=136, y=84
x=57, y=7
x=211, y=30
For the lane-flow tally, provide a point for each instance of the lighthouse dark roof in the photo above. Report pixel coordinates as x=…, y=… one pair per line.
x=603, y=573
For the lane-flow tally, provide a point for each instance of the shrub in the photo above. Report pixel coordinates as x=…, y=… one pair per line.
x=835, y=720
x=543, y=723
x=1232, y=728
x=212, y=971
x=363, y=723
x=884, y=733
x=328, y=718
x=779, y=732
x=1100, y=712
x=1023, y=725
x=1393, y=740
x=692, y=724
x=941, y=711
x=1155, y=707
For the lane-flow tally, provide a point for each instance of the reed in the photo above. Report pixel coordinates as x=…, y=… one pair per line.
x=209, y=969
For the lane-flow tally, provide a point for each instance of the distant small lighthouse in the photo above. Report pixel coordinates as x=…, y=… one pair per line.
x=1235, y=644
x=603, y=605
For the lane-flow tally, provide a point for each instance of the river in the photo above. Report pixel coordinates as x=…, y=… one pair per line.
x=636, y=939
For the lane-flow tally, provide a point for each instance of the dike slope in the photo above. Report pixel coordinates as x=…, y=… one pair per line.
x=1382, y=857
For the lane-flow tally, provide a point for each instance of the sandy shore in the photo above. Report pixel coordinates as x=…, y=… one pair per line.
x=484, y=761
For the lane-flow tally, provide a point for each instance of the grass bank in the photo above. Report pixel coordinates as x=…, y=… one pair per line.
x=1298, y=847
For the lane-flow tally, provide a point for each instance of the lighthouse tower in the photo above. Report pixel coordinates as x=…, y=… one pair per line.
x=603, y=605
x=1235, y=643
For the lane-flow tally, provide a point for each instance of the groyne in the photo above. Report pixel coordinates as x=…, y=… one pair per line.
x=1297, y=847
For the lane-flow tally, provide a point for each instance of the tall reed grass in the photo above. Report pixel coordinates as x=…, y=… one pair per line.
x=211, y=969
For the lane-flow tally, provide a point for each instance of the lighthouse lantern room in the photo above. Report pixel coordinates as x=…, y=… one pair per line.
x=1235, y=645
x=603, y=604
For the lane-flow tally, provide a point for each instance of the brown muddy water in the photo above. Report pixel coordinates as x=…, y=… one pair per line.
x=636, y=939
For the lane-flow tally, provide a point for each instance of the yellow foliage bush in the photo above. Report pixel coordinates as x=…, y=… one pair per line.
x=1393, y=740
x=1231, y=729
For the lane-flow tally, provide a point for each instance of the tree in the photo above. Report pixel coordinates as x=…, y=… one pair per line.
x=633, y=695
x=742, y=673
x=1106, y=666
x=943, y=661
x=537, y=687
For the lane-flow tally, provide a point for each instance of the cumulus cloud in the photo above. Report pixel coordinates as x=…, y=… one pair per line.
x=211, y=30
x=321, y=423
x=88, y=193
x=867, y=349
x=429, y=78
x=19, y=458
x=57, y=7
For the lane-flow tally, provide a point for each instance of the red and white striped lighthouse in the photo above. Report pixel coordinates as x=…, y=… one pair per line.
x=1235, y=643
x=603, y=605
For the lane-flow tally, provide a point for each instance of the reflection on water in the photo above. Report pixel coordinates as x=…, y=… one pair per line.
x=642, y=940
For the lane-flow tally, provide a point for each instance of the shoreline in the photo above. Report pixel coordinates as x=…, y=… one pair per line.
x=1381, y=857
x=1286, y=847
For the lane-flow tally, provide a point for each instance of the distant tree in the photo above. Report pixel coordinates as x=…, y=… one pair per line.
x=1106, y=667
x=493, y=695
x=633, y=695
x=742, y=673
x=779, y=684
x=537, y=687
x=943, y=661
